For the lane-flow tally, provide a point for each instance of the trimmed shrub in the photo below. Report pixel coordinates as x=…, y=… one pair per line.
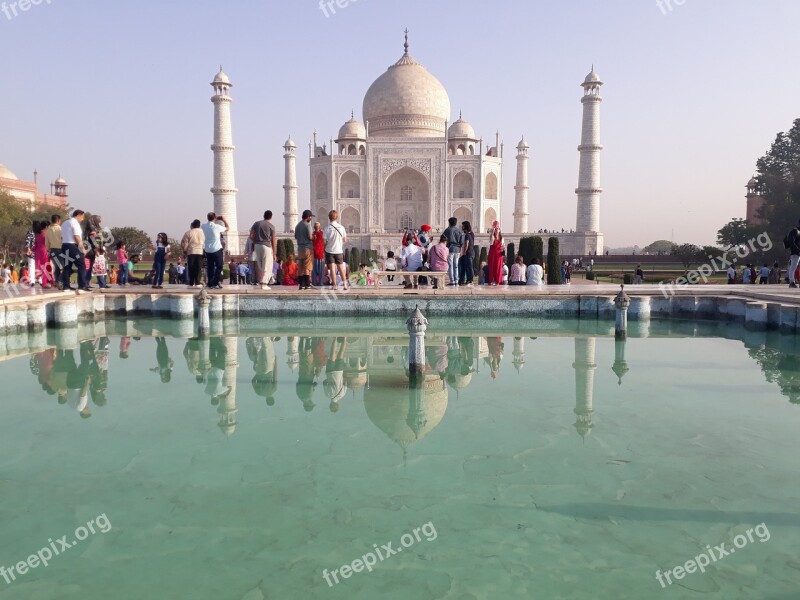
x=627, y=279
x=553, y=262
x=484, y=258
x=538, y=248
x=510, y=255
x=526, y=249
x=590, y=275
x=281, y=248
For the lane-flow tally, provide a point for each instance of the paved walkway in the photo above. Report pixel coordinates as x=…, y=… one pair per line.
x=763, y=293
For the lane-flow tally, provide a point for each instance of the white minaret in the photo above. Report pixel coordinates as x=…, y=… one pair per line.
x=290, y=187
x=589, y=174
x=521, y=189
x=224, y=189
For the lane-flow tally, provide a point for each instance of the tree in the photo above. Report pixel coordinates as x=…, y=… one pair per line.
x=175, y=249
x=659, y=247
x=476, y=261
x=711, y=252
x=16, y=221
x=136, y=240
x=538, y=248
x=778, y=181
x=510, y=255
x=736, y=233
x=289, y=243
x=688, y=254
x=355, y=260
x=553, y=262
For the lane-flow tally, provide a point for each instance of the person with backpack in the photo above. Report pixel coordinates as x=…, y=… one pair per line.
x=792, y=243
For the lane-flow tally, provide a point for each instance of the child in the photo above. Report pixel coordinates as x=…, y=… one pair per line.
x=289, y=271
x=113, y=276
x=390, y=264
x=361, y=276
x=100, y=268
x=122, y=259
x=13, y=275
x=5, y=274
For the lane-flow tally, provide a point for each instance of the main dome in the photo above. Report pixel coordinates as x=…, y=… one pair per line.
x=406, y=101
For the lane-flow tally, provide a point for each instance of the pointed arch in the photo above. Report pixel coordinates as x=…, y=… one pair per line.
x=491, y=187
x=321, y=184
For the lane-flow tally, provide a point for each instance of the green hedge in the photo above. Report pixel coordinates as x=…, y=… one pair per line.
x=553, y=262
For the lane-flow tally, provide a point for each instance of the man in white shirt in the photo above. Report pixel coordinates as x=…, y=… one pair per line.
x=72, y=251
x=335, y=238
x=213, y=248
x=411, y=259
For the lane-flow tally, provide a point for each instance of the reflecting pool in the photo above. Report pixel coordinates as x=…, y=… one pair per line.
x=529, y=460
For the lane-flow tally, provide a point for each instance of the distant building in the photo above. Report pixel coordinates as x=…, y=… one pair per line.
x=27, y=192
x=755, y=201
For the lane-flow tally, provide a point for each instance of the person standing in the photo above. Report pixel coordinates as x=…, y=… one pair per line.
x=304, y=235
x=160, y=260
x=233, y=273
x=638, y=275
x=496, y=255
x=213, y=230
x=466, y=265
x=53, y=239
x=455, y=239
x=731, y=275
x=122, y=260
x=265, y=245
x=792, y=243
x=100, y=267
x=94, y=240
x=72, y=251
x=318, y=274
x=41, y=254
x=335, y=239
x=192, y=245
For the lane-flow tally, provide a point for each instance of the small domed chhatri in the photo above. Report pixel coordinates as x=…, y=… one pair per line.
x=353, y=130
x=461, y=130
x=221, y=77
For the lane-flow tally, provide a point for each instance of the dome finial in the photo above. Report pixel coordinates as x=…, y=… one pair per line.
x=352, y=114
x=459, y=113
x=405, y=45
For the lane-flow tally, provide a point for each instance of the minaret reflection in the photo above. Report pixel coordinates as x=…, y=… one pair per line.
x=519, y=353
x=620, y=367
x=585, y=367
x=227, y=406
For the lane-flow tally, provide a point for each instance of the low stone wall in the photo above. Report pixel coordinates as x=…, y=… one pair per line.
x=36, y=313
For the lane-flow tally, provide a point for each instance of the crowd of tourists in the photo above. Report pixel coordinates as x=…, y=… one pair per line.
x=54, y=249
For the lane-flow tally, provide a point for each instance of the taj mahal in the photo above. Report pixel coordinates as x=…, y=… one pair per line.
x=406, y=164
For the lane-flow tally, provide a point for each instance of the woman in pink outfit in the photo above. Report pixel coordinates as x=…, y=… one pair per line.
x=496, y=256
x=41, y=255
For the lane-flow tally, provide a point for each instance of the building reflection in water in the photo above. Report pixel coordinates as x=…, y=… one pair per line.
x=374, y=367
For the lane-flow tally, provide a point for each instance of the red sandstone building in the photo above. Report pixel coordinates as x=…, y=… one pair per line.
x=755, y=201
x=27, y=192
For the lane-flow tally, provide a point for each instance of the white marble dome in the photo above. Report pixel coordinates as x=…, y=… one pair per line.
x=406, y=101
x=5, y=173
x=60, y=181
x=461, y=130
x=353, y=130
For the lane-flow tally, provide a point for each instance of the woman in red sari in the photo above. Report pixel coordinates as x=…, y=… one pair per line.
x=42, y=256
x=496, y=256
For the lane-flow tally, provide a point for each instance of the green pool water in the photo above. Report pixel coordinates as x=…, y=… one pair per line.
x=551, y=462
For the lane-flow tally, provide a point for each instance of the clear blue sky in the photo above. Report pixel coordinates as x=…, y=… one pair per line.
x=115, y=97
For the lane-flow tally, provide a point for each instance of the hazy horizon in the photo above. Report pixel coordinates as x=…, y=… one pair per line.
x=116, y=99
